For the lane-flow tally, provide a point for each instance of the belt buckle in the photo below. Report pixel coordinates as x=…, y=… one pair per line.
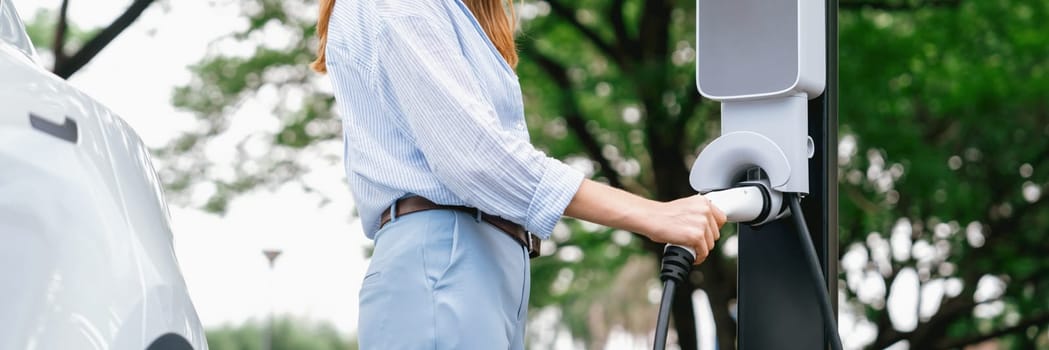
x=533, y=249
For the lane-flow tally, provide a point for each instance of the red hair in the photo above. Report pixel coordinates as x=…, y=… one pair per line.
x=491, y=14
x=322, y=34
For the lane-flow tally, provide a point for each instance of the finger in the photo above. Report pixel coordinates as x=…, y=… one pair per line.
x=701, y=251
x=701, y=256
x=719, y=216
x=701, y=246
x=715, y=230
x=709, y=236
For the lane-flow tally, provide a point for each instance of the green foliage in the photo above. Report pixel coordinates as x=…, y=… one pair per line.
x=272, y=78
x=288, y=334
x=41, y=30
x=947, y=107
x=571, y=280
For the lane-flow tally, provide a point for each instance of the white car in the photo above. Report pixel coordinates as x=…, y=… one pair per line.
x=86, y=257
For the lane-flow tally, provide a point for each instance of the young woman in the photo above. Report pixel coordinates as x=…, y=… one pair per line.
x=444, y=177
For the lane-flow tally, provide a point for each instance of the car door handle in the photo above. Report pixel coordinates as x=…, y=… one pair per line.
x=67, y=130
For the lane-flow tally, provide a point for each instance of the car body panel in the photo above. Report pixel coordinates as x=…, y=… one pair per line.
x=86, y=251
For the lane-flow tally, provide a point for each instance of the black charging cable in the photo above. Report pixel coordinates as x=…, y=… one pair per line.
x=677, y=263
x=830, y=327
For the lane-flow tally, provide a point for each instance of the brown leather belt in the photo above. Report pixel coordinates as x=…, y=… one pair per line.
x=414, y=204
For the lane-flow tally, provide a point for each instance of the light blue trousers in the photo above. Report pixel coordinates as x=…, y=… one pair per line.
x=441, y=279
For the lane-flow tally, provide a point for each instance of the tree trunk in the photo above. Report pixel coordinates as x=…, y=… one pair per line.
x=66, y=66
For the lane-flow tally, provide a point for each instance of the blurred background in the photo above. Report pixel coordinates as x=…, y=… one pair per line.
x=943, y=153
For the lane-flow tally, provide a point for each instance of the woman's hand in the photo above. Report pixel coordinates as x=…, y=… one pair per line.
x=691, y=221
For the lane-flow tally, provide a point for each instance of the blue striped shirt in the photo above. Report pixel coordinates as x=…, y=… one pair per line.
x=429, y=107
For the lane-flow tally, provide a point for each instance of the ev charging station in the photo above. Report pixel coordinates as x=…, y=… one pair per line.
x=773, y=66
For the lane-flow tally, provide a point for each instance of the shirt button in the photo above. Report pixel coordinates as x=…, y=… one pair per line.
x=519, y=125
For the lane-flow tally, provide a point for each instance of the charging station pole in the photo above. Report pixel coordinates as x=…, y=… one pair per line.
x=823, y=167
x=776, y=306
x=773, y=66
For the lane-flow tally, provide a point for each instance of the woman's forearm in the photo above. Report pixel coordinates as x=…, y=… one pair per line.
x=690, y=221
x=602, y=204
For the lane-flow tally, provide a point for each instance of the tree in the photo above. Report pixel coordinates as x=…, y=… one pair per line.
x=927, y=162
x=288, y=334
x=275, y=77
x=72, y=48
x=946, y=107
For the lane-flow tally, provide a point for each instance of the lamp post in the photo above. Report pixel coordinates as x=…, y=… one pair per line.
x=271, y=257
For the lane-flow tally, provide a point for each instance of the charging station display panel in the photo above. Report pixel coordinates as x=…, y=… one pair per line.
x=747, y=47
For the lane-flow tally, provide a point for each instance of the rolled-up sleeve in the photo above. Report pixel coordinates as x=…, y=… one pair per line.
x=456, y=128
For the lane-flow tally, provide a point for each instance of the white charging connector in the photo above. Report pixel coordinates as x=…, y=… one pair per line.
x=750, y=202
x=740, y=204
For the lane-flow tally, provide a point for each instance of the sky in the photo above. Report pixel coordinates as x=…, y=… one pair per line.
x=318, y=275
